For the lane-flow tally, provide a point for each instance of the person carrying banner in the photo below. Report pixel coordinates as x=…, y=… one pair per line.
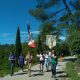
x=29, y=58
x=31, y=42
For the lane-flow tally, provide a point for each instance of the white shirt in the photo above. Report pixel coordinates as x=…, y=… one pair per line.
x=41, y=57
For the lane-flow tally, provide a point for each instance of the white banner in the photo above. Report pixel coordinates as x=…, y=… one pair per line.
x=50, y=41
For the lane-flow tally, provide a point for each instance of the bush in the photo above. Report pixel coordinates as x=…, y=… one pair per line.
x=1, y=74
x=77, y=64
x=71, y=71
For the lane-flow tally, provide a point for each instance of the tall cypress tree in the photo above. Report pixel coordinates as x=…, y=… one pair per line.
x=18, y=45
x=39, y=46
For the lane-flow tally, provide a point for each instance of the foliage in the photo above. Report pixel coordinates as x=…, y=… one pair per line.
x=4, y=57
x=47, y=29
x=77, y=64
x=40, y=12
x=71, y=21
x=4, y=61
x=72, y=73
x=18, y=45
x=62, y=48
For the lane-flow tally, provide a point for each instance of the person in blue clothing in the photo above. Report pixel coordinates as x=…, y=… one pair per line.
x=47, y=60
x=21, y=61
x=12, y=62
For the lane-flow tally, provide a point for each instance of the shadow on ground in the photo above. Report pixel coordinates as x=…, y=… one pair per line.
x=22, y=73
x=38, y=74
x=59, y=72
x=35, y=70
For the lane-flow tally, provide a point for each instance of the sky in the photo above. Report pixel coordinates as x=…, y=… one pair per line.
x=14, y=13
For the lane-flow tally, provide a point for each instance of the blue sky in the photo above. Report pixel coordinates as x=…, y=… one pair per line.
x=14, y=13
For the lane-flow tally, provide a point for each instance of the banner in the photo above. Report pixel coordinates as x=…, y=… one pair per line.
x=31, y=41
x=50, y=41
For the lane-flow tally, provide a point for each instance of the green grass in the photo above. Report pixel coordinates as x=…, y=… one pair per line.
x=5, y=69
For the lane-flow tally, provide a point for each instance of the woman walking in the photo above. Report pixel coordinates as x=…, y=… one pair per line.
x=29, y=58
x=53, y=63
x=41, y=61
x=47, y=61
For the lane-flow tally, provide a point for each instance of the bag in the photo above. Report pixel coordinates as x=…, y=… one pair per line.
x=25, y=62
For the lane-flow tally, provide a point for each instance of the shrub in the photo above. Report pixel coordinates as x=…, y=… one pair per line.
x=77, y=64
x=71, y=71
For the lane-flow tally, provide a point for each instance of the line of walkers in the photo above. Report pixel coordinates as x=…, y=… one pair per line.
x=47, y=59
x=12, y=59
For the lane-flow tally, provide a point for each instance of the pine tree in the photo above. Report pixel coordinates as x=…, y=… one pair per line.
x=18, y=45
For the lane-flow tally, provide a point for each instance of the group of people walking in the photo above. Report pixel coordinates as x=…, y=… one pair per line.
x=46, y=60
x=12, y=59
x=21, y=62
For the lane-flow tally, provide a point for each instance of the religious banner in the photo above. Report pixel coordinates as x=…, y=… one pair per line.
x=51, y=41
x=31, y=42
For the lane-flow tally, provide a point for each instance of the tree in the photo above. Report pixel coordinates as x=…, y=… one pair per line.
x=18, y=45
x=39, y=45
x=72, y=24
x=47, y=29
x=69, y=18
x=41, y=14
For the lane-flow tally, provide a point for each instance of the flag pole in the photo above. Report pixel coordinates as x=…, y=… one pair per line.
x=31, y=41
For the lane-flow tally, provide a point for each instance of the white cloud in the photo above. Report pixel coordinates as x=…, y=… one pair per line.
x=25, y=34
x=35, y=32
x=4, y=35
x=10, y=37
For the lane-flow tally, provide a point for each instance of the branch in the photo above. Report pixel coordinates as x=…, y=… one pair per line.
x=53, y=14
x=67, y=8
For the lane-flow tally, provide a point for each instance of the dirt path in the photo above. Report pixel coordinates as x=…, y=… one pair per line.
x=36, y=75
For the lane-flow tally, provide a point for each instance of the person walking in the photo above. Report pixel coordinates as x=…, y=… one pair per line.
x=53, y=63
x=61, y=57
x=41, y=61
x=29, y=58
x=47, y=60
x=12, y=62
x=21, y=61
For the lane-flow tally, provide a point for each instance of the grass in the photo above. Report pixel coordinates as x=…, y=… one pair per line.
x=5, y=69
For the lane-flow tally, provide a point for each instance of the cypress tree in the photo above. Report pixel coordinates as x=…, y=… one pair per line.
x=18, y=45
